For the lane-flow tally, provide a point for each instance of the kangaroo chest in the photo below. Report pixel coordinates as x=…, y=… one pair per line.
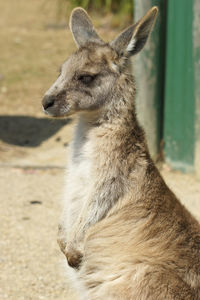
x=79, y=178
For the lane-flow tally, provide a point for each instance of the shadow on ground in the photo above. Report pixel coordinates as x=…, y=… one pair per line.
x=28, y=131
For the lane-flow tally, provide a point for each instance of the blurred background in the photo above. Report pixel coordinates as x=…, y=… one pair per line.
x=34, y=41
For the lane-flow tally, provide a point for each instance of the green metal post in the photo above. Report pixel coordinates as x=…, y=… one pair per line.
x=149, y=71
x=179, y=130
x=196, y=52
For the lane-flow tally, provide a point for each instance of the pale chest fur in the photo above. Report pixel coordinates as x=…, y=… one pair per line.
x=78, y=187
x=79, y=179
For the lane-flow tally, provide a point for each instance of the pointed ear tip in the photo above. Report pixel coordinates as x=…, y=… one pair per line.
x=78, y=8
x=154, y=10
x=151, y=14
x=77, y=11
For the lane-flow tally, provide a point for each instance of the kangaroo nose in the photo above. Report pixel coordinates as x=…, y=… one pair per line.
x=48, y=102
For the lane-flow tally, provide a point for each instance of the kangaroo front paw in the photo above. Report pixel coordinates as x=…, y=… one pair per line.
x=74, y=258
x=72, y=250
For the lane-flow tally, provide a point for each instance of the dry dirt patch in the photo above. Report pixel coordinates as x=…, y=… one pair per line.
x=30, y=260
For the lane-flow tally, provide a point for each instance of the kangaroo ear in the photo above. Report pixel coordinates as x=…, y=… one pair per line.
x=82, y=28
x=133, y=39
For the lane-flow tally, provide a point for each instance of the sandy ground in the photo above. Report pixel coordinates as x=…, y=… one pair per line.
x=33, y=151
x=30, y=260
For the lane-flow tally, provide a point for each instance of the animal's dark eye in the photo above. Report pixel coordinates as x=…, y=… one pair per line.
x=86, y=78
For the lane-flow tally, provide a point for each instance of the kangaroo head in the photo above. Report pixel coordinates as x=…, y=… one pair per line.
x=91, y=75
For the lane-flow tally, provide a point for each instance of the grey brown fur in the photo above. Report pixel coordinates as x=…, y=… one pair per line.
x=124, y=233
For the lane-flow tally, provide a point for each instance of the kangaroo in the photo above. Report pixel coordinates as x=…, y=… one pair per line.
x=124, y=233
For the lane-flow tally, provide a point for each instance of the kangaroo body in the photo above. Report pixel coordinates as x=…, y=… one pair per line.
x=124, y=233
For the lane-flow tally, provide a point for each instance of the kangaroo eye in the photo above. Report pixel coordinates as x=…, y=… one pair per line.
x=86, y=78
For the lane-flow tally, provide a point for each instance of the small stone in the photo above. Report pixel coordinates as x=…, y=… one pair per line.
x=35, y=202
